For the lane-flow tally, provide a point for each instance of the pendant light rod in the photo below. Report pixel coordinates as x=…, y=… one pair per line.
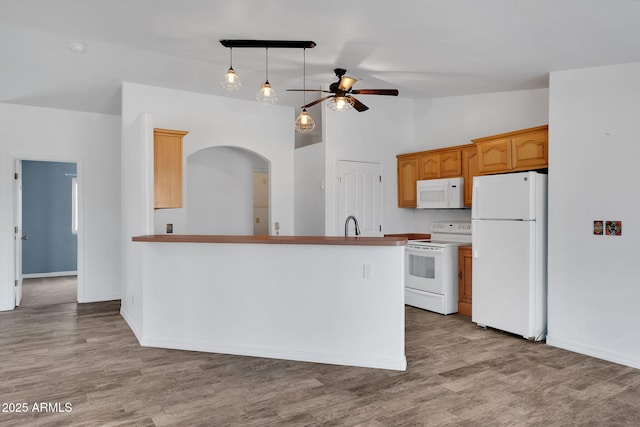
x=304, y=76
x=266, y=52
x=292, y=44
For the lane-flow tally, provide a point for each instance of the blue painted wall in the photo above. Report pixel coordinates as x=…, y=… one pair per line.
x=46, y=218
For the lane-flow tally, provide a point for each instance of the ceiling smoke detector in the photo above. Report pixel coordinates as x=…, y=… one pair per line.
x=78, y=47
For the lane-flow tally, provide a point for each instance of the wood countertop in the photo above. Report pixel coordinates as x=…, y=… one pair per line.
x=285, y=240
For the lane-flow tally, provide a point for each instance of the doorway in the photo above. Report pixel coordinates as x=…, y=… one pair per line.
x=227, y=192
x=47, y=232
x=360, y=194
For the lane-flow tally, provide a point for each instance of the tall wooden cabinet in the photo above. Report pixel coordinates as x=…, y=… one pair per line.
x=167, y=166
x=408, y=173
x=465, y=258
x=469, y=170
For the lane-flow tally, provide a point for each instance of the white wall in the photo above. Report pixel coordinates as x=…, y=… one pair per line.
x=309, y=190
x=219, y=196
x=376, y=135
x=594, y=144
x=93, y=142
x=212, y=121
x=456, y=120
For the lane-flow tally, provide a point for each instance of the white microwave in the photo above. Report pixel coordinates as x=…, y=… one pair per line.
x=444, y=193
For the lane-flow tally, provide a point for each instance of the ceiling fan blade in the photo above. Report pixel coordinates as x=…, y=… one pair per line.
x=308, y=90
x=391, y=92
x=346, y=83
x=317, y=101
x=359, y=106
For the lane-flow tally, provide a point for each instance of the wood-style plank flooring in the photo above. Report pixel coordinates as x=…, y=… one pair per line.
x=458, y=375
x=49, y=290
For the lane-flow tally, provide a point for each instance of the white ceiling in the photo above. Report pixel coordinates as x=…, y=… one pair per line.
x=424, y=48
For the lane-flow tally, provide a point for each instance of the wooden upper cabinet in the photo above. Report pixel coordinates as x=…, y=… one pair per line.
x=469, y=170
x=450, y=163
x=526, y=149
x=408, y=173
x=530, y=151
x=167, y=164
x=494, y=156
x=430, y=166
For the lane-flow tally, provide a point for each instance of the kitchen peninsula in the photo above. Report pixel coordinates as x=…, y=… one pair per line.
x=317, y=299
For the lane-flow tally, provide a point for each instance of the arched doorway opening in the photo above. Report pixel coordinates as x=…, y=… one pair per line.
x=227, y=192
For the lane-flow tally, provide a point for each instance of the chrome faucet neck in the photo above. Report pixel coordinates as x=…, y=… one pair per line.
x=346, y=225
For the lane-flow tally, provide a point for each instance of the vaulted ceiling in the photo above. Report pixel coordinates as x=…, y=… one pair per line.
x=424, y=48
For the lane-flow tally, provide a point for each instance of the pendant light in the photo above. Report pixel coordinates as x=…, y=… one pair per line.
x=231, y=81
x=304, y=122
x=266, y=95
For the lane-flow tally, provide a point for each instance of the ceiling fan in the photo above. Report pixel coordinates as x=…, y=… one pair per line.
x=342, y=93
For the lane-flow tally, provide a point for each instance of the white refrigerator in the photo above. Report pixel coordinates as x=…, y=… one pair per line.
x=509, y=271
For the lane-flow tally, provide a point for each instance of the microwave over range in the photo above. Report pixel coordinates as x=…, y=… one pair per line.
x=444, y=193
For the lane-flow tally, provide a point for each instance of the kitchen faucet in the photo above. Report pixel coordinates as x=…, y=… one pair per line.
x=346, y=226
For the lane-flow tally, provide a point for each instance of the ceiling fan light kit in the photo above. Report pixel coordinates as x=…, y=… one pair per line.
x=340, y=103
x=342, y=91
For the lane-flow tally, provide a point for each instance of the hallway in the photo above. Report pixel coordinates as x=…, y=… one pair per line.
x=43, y=291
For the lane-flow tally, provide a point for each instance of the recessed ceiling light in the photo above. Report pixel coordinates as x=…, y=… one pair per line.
x=78, y=47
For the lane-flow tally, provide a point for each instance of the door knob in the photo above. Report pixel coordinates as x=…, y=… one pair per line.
x=25, y=237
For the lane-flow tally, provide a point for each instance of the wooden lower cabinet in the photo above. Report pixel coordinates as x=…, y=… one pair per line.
x=465, y=257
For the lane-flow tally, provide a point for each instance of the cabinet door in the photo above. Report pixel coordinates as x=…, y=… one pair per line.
x=494, y=156
x=167, y=163
x=430, y=166
x=530, y=151
x=450, y=164
x=407, y=177
x=469, y=170
x=464, y=283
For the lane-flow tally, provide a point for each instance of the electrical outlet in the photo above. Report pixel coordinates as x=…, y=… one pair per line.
x=169, y=228
x=367, y=271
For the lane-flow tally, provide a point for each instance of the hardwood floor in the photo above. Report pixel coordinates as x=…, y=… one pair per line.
x=49, y=290
x=458, y=374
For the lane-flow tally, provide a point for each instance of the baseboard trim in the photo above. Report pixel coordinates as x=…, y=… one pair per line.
x=132, y=325
x=598, y=353
x=396, y=364
x=51, y=274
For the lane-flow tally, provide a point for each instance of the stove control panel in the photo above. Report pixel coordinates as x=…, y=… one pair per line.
x=454, y=227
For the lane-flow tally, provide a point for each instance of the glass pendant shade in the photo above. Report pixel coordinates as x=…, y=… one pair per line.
x=304, y=122
x=266, y=95
x=340, y=103
x=231, y=81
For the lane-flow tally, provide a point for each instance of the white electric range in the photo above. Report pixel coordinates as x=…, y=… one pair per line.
x=431, y=267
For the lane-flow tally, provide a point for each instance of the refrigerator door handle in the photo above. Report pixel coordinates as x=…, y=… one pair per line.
x=475, y=198
x=474, y=245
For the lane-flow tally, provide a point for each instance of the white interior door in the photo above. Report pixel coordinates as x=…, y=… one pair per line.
x=17, y=220
x=360, y=195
